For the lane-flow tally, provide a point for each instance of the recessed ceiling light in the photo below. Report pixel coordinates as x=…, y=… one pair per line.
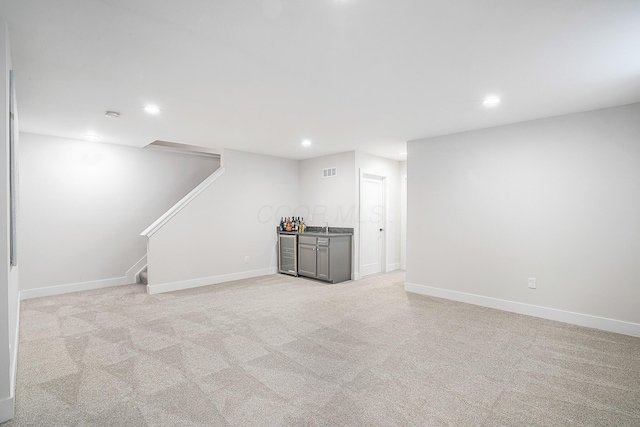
x=306, y=143
x=91, y=137
x=491, y=101
x=152, y=109
x=112, y=114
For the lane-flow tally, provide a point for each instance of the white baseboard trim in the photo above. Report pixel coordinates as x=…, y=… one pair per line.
x=205, y=281
x=587, y=320
x=7, y=409
x=48, y=291
x=74, y=287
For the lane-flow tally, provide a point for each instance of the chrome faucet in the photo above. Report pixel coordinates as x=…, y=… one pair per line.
x=326, y=228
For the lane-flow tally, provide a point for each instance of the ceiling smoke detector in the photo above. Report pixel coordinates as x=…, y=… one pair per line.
x=112, y=114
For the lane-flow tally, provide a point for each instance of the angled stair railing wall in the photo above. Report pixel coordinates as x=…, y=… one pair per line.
x=166, y=217
x=142, y=275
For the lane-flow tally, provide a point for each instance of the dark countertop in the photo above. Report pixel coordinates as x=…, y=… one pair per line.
x=315, y=234
x=319, y=232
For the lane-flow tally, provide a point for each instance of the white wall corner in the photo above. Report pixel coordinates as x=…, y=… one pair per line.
x=7, y=409
x=586, y=320
x=206, y=281
x=14, y=350
x=7, y=406
x=222, y=157
x=393, y=267
x=136, y=269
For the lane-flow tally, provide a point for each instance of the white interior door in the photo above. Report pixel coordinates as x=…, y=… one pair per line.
x=372, y=223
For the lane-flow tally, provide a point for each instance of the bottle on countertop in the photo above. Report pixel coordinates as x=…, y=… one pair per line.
x=296, y=224
x=288, y=225
x=302, y=226
x=281, y=223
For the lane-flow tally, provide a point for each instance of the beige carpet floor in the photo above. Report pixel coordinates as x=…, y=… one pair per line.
x=284, y=351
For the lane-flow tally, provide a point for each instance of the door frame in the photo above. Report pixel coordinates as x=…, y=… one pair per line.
x=364, y=174
x=403, y=222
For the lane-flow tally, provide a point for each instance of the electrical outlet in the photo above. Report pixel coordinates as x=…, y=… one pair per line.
x=532, y=283
x=247, y=259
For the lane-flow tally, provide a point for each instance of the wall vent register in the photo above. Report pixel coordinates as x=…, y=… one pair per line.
x=329, y=172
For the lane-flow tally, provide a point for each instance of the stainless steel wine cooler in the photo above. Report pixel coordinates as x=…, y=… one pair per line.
x=288, y=254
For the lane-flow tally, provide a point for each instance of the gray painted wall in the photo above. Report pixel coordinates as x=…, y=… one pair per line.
x=555, y=199
x=84, y=205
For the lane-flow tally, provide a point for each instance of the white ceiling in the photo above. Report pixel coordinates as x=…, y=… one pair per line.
x=261, y=75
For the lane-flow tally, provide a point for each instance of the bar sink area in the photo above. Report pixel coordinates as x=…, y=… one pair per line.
x=321, y=253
